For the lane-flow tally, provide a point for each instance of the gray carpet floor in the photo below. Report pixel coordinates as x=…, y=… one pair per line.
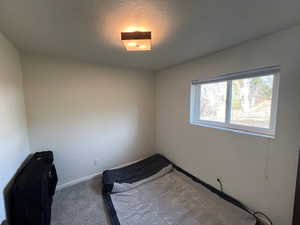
x=81, y=204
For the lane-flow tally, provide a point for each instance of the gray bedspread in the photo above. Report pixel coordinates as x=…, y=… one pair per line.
x=174, y=199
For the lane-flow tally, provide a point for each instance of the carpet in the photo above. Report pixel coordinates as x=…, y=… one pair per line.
x=81, y=204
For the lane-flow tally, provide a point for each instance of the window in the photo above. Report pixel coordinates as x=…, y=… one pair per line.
x=244, y=102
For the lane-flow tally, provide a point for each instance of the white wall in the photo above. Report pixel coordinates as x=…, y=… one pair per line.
x=259, y=171
x=93, y=117
x=13, y=129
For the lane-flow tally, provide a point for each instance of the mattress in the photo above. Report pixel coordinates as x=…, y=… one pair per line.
x=154, y=191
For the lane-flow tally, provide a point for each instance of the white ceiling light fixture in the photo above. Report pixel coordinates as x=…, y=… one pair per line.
x=137, y=40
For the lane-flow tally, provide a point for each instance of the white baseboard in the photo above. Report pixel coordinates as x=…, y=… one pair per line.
x=77, y=181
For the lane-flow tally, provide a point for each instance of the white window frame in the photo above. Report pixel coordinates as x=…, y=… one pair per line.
x=195, y=102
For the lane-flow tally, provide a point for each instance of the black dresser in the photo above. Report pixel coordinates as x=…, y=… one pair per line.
x=32, y=191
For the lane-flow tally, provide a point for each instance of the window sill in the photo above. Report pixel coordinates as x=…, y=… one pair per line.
x=239, y=131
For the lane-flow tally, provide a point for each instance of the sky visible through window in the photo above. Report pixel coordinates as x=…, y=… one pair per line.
x=213, y=101
x=251, y=101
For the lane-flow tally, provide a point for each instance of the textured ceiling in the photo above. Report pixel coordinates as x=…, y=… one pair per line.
x=89, y=30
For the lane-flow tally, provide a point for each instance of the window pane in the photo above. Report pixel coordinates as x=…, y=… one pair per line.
x=213, y=101
x=251, y=101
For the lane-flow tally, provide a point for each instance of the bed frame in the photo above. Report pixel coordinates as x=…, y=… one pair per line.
x=112, y=212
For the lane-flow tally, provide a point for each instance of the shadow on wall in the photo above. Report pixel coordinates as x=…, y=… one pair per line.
x=8, y=190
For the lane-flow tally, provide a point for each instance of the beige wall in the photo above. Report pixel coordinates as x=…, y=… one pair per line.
x=93, y=117
x=259, y=171
x=13, y=129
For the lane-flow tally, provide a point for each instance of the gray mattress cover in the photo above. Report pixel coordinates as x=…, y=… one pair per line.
x=121, y=187
x=174, y=199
